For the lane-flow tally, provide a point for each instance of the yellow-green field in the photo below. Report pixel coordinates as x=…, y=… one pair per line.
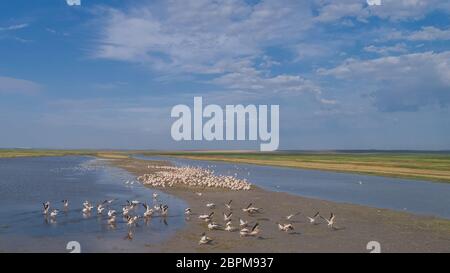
x=431, y=166
x=426, y=166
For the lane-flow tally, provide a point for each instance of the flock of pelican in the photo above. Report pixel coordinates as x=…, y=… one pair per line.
x=130, y=211
x=244, y=227
x=192, y=177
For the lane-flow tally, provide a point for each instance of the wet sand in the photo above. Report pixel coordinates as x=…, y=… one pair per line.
x=355, y=225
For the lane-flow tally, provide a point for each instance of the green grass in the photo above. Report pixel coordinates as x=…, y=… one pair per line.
x=424, y=166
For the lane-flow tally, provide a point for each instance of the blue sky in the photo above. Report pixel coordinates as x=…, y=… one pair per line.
x=105, y=74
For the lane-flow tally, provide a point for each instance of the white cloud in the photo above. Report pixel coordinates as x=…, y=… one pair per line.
x=73, y=2
x=429, y=33
x=386, y=50
x=13, y=27
x=13, y=85
x=401, y=83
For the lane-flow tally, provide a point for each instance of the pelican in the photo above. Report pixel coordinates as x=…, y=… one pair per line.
x=155, y=195
x=131, y=220
x=206, y=217
x=199, y=193
x=65, y=204
x=86, y=203
x=290, y=216
x=187, y=211
x=46, y=207
x=214, y=226
x=210, y=205
x=227, y=217
x=54, y=213
x=228, y=205
x=148, y=210
x=100, y=208
x=251, y=209
x=285, y=227
x=312, y=220
x=243, y=223
x=111, y=213
x=164, y=210
x=125, y=211
x=250, y=232
x=229, y=227
x=87, y=209
x=330, y=221
x=204, y=240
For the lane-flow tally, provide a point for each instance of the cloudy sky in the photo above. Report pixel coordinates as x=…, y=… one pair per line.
x=105, y=74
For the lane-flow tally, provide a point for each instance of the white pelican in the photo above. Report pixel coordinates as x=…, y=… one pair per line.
x=206, y=217
x=214, y=226
x=227, y=217
x=199, y=193
x=187, y=211
x=250, y=232
x=155, y=195
x=204, y=240
x=243, y=223
x=251, y=209
x=54, y=213
x=111, y=213
x=229, y=227
x=228, y=205
x=131, y=220
x=87, y=209
x=210, y=205
x=285, y=227
x=65, y=204
x=290, y=216
x=46, y=207
x=330, y=221
x=100, y=208
x=164, y=210
x=312, y=220
x=148, y=210
x=125, y=211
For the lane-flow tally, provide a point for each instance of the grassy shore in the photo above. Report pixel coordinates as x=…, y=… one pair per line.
x=425, y=166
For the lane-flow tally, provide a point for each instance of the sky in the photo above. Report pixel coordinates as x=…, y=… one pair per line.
x=105, y=74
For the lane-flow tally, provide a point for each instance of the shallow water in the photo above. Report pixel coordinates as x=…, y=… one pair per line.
x=25, y=183
x=419, y=197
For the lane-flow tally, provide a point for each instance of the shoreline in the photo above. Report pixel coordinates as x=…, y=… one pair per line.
x=357, y=225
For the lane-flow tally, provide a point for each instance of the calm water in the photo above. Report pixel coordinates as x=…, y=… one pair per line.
x=414, y=196
x=27, y=182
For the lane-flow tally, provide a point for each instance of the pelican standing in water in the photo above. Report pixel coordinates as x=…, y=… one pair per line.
x=204, y=239
x=46, y=207
x=229, y=227
x=148, y=210
x=251, y=209
x=285, y=227
x=187, y=211
x=250, y=232
x=206, y=217
x=65, y=204
x=210, y=205
x=164, y=210
x=54, y=213
x=214, y=226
